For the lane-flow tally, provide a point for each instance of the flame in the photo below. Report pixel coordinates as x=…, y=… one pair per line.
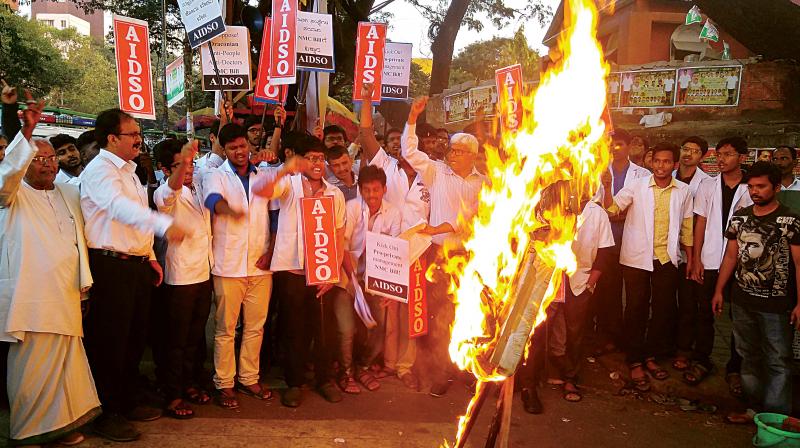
x=537, y=179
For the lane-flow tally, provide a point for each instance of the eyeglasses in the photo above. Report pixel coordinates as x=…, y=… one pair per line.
x=691, y=150
x=254, y=130
x=315, y=159
x=44, y=159
x=131, y=134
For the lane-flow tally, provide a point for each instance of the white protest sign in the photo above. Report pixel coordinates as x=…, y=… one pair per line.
x=315, y=42
x=232, y=53
x=387, y=266
x=202, y=19
x=175, y=82
x=396, y=71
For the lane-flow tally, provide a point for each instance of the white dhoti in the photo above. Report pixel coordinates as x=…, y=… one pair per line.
x=50, y=388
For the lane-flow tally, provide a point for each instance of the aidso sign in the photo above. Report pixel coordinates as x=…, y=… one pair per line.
x=202, y=20
x=232, y=54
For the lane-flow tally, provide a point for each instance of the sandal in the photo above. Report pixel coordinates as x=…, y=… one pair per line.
x=384, y=373
x=656, y=372
x=367, y=380
x=349, y=386
x=697, y=373
x=197, y=396
x=410, y=381
x=734, y=381
x=680, y=363
x=571, y=392
x=227, y=399
x=181, y=411
x=642, y=383
x=740, y=418
x=261, y=393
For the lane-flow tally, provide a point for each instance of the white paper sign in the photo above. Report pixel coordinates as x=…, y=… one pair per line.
x=202, y=19
x=396, y=71
x=315, y=42
x=175, y=82
x=387, y=267
x=232, y=53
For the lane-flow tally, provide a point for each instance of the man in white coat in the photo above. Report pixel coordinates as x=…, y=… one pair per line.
x=44, y=271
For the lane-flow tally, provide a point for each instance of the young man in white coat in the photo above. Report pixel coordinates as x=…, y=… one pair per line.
x=658, y=226
x=242, y=280
x=44, y=274
x=716, y=201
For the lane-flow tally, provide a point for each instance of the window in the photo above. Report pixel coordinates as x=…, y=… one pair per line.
x=63, y=24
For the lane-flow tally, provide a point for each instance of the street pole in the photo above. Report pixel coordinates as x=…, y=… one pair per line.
x=165, y=119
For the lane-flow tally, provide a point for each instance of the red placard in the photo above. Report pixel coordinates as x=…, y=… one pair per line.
x=509, y=91
x=283, y=57
x=319, y=238
x=265, y=92
x=370, y=44
x=132, y=49
x=417, y=299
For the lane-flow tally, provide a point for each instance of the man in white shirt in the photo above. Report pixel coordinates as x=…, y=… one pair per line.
x=658, y=226
x=785, y=158
x=187, y=277
x=69, y=159
x=216, y=156
x=306, y=311
x=716, y=201
x=341, y=165
x=242, y=281
x=119, y=233
x=44, y=274
x=454, y=200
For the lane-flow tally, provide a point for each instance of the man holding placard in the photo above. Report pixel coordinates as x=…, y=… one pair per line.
x=312, y=211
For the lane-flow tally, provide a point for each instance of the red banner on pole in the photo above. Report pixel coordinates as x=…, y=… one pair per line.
x=509, y=90
x=283, y=57
x=319, y=238
x=418, y=299
x=370, y=45
x=266, y=92
x=134, y=84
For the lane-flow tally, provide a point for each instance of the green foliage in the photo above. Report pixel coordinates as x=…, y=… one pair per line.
x=479, y=60
x=420, y=81
x=29, y=58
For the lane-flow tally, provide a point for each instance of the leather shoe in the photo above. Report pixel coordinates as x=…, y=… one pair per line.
x=440, y=389
x=330, y=392
x=531, y=402
x=292, y=397
x=144, y=414
x=113, y=427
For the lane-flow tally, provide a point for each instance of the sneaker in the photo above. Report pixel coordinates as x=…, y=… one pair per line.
x=144, y=414
x=113, y=427
x=330, y=392
x=292, y=397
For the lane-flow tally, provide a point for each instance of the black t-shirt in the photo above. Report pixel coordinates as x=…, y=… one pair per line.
x=764, y=269
x=727, y=201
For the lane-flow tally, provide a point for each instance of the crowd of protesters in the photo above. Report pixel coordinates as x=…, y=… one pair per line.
x=102, y=248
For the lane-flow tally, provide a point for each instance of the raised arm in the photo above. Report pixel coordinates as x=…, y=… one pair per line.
x=11, y=124
x=409, y=144
x=19, y=153
x=366, y=130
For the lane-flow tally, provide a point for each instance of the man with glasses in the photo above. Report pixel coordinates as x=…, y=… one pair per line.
x=334, y=135
x=716, y=201
x=44, y=275
x=120, y=228
x=254, y=131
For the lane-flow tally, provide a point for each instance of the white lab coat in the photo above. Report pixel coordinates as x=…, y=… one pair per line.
x=697, y=179
x=708, y=204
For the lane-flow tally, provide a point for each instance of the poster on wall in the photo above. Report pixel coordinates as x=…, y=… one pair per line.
x=614, y=85
x=483, y=97
x=456, y=107
x=647, y=88
x=709, y=86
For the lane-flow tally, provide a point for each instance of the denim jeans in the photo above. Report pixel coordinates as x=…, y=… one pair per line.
x=765, y=342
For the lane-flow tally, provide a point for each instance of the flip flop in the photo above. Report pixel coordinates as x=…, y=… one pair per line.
x=197, y=396
x=368, y=380
x=227, y=400
x=176, y=415
x=657, y=372
x=262, y=394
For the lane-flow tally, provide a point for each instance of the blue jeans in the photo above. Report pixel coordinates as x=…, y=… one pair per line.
x=764, y=340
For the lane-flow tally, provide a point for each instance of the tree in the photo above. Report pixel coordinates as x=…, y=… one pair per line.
x=29, y=58
x=478, y=61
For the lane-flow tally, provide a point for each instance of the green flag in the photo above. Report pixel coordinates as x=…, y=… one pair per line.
x=693, y=16
x=709, y=31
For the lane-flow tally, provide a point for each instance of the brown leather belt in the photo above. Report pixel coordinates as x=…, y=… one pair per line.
x=120, y=255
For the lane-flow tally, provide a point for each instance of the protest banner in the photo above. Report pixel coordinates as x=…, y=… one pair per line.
x=315, y=42
x=232, y=53
x=202, y=19
x=709, y=86
x=370, y=45
x=387, y=266
x=176, y=87
x=483, y=97
x=647, y=88
x=319, y=240
x=509, y=90
x=283, y=57
x=418, y=299
x=266, y=92
x=396, y=71
x=456, y=107
x=132, y=52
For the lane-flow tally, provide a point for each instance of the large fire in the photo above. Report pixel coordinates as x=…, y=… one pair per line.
x=537, y=178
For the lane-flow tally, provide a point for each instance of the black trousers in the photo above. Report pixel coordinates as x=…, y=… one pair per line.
x=116, y=327
x=530, y=373
x=695, y=316
x=306, y=320
x=186, y=308
x=576, y=317
x=433, y=358
x=650, y=311
x=608, y=302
